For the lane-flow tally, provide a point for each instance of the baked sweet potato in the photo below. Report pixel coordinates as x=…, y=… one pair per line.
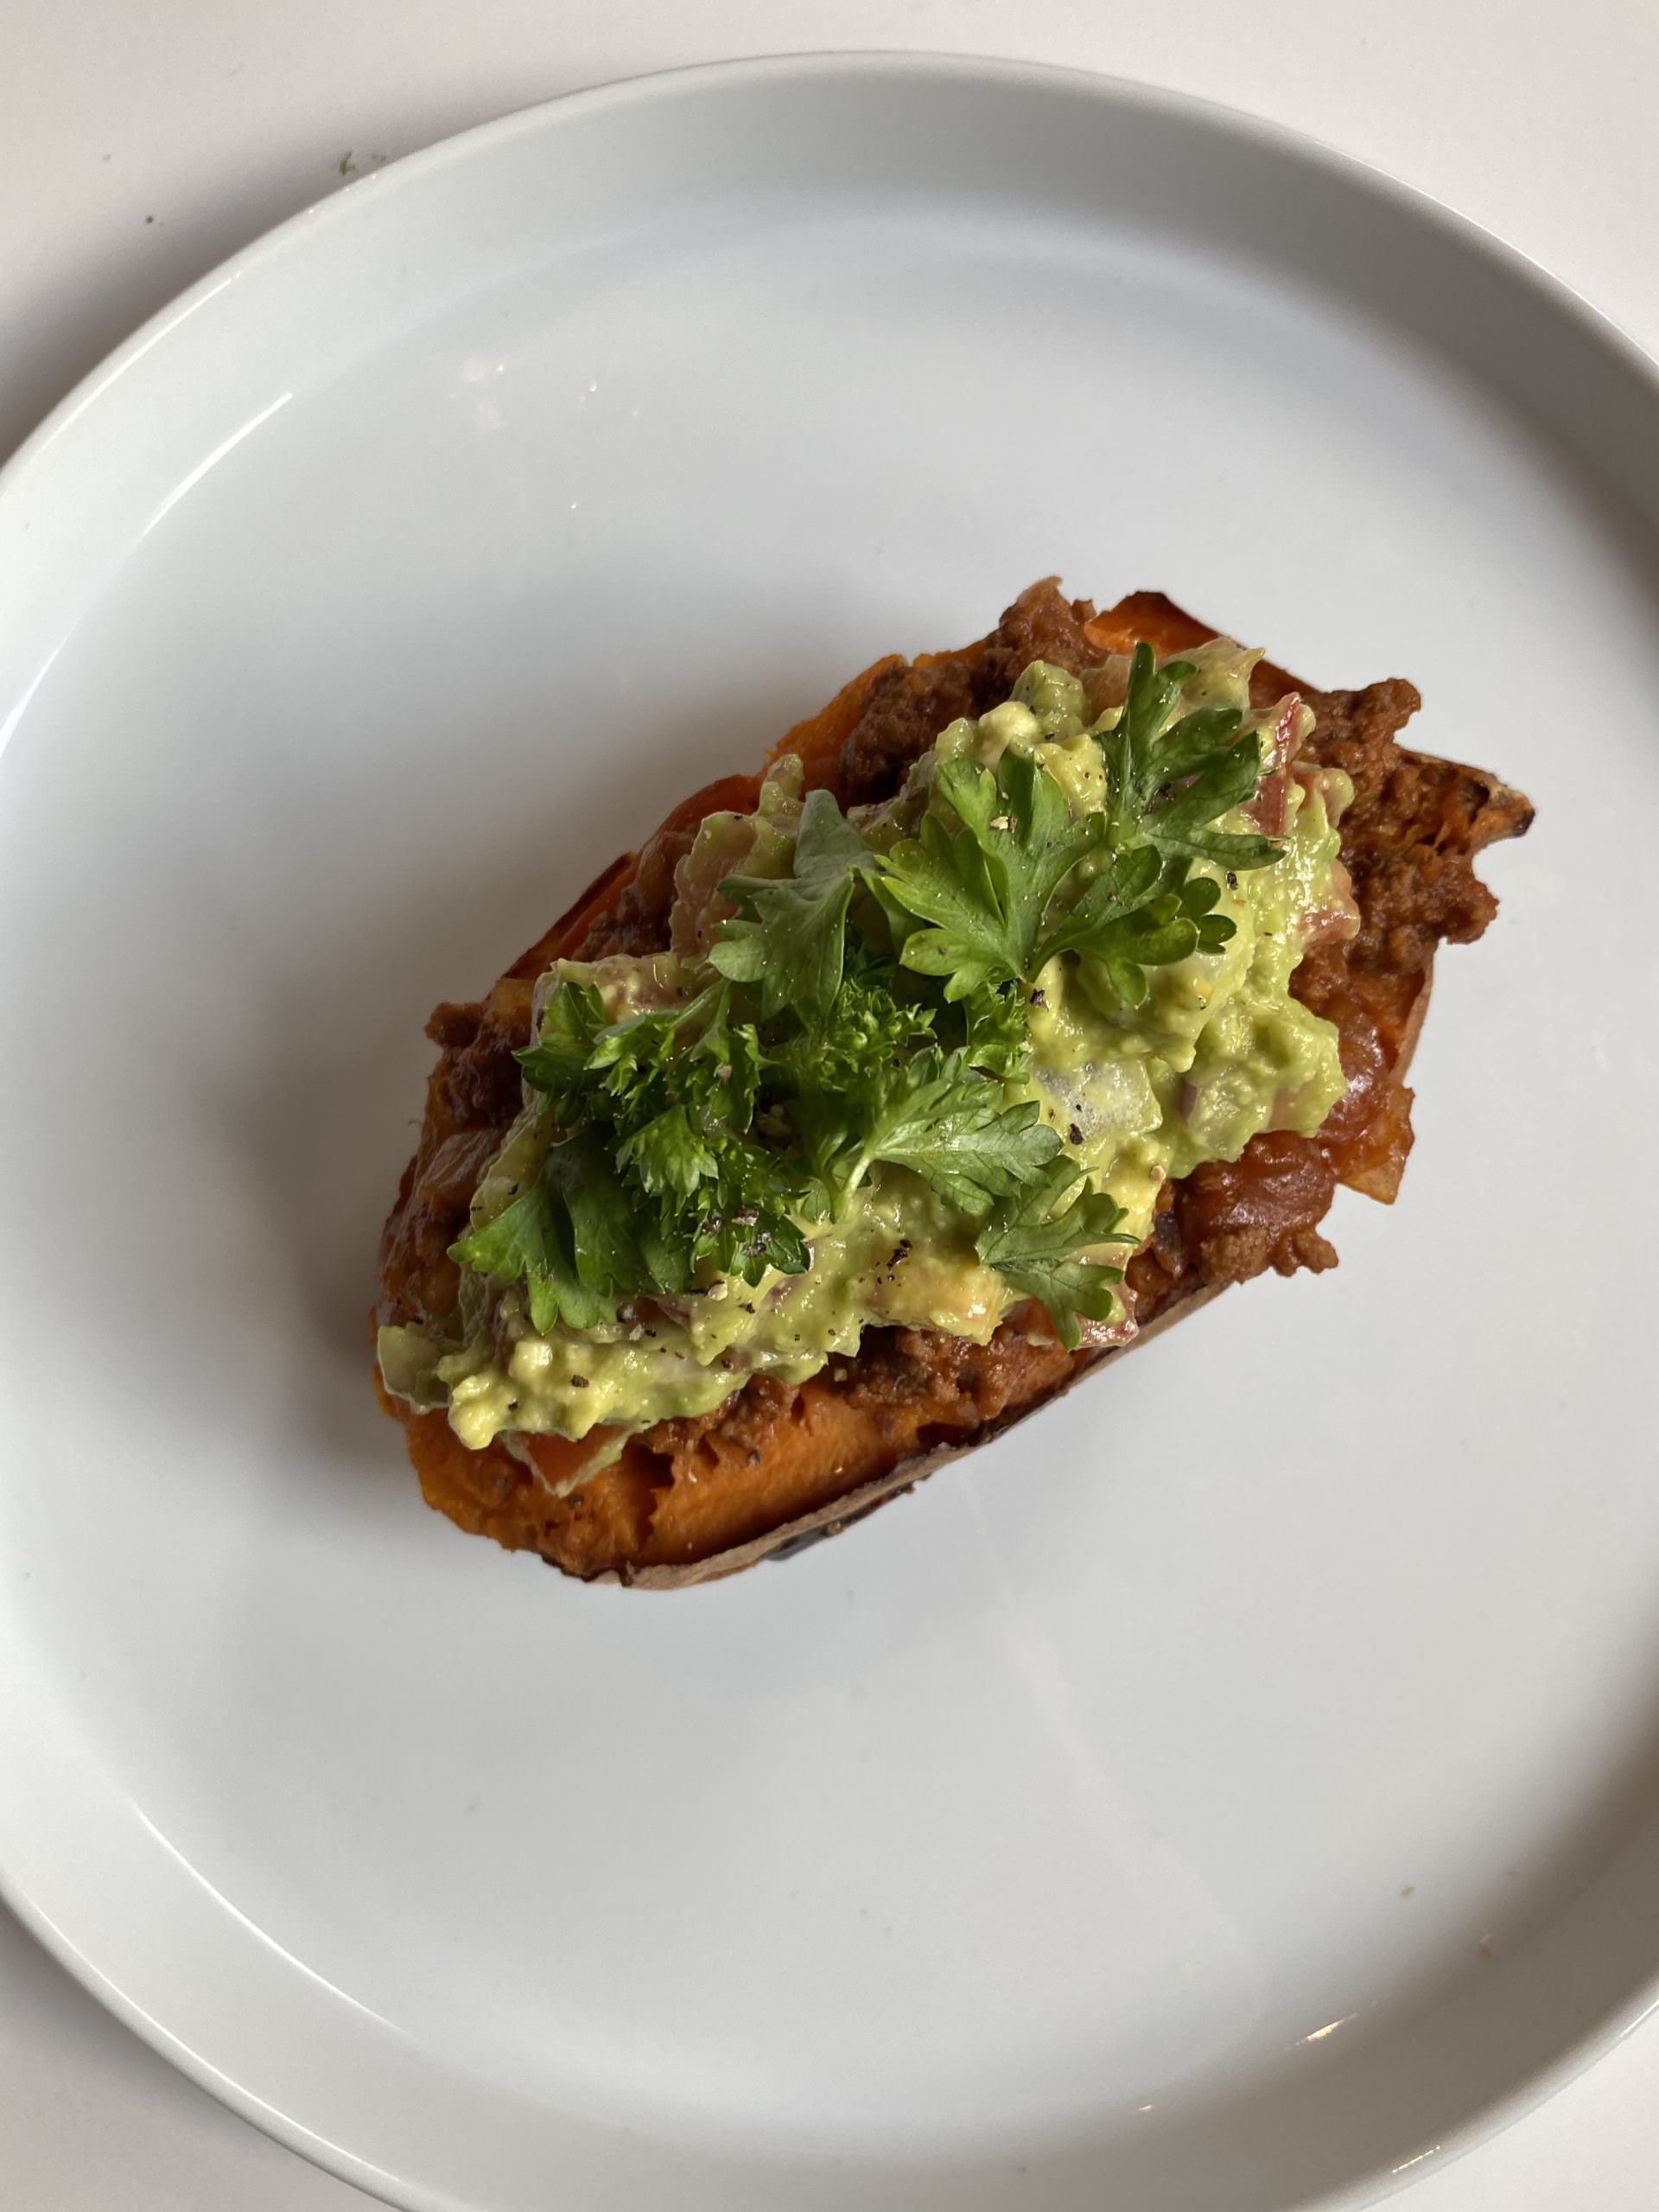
x=777, y=1464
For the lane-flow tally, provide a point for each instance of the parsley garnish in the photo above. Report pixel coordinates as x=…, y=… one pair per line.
x=1166, y=787
x=934, y=1114
x=663, y=1101
x=791, y=937
x=1019, y=882
x=1035, y=1248
x=1141, y=913
x=574, y=1238
x=872, y=1009
x=985, y=890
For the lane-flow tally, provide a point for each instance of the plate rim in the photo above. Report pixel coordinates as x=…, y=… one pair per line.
x=1306, y=151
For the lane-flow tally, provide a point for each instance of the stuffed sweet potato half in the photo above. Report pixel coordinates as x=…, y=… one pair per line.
x=1035, y=991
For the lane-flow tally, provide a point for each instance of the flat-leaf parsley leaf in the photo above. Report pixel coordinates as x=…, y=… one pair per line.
x=984, y=890
x=789, y=935
x=1034, y=1248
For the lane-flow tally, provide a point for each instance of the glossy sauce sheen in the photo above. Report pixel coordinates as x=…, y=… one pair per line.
x=689, y=1490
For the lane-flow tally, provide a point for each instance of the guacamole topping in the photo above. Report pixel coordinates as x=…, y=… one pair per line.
x=929, y=1063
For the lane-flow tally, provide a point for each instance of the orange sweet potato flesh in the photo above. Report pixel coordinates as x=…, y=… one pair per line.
x=692, y=1499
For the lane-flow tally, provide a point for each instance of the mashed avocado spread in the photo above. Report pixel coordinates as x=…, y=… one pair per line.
x=928, y=1063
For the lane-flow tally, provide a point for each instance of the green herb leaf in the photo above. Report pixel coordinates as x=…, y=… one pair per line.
x=1123, y=885
x=1033, y=1248
x=572, y=1238
x=669, y=1154
x=1127, y=931
x=789, y=935
x=997, y=1036
x=867, y=1027
x=529, y=1242
x=557, y=1062
x=1166, y=787
x=934, y=1115
x=984, y=889
x=668, y=1096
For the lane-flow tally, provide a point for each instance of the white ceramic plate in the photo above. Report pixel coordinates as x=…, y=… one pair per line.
x=1218, y=1795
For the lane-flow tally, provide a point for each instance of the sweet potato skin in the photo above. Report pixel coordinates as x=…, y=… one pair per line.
x=692, y=1500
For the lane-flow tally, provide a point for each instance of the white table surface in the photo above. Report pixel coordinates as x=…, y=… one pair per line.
x=140, y=144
